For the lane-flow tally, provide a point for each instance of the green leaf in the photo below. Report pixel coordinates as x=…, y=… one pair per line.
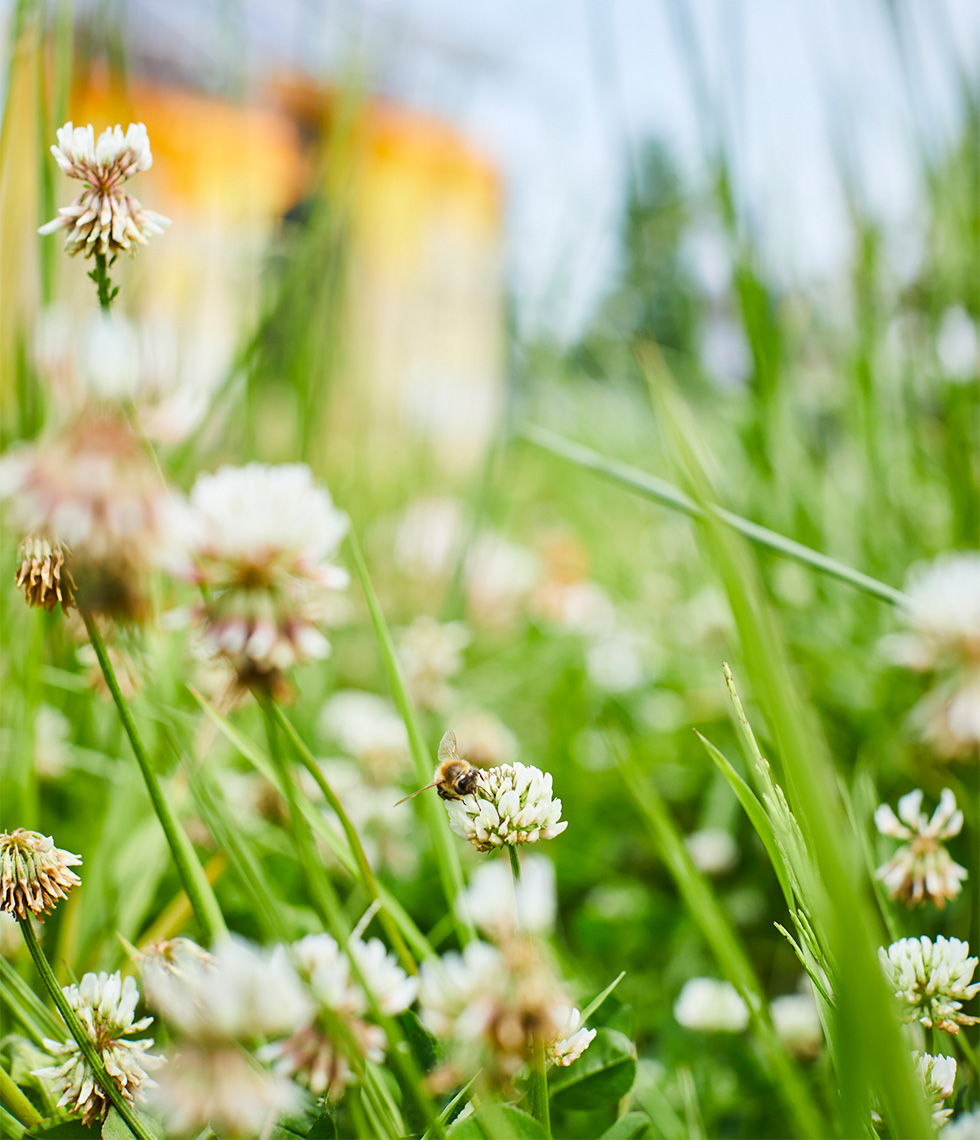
x=115, y=1128
x=62, y=1128
x=629, y=1127
x=498, y=1122
x=420, y=1040
x=603, y=1074
x=323, y=1128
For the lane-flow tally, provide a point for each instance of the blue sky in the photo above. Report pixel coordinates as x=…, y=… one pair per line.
x=561, y=92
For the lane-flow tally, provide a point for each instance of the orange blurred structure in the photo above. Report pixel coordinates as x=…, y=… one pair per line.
x=418, y=309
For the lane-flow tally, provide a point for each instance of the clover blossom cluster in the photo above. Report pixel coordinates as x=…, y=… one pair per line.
x=921, y=868
x=106, y=1006
x=104, y=219
x=34, y=874
x=512, y=805
x=931, y=980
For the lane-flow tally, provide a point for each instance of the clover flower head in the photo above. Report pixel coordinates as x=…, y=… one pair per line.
x=311, y=1054
x=430, y=653
x=797, y=1023
x=921, y=868
x=966, y=1126
x=493, y=1004
x=931, y=980
x=106, y=1006
x=104, y=219
x=262, y=536
x=34, y=874
x=512, y=805
x=713, y=850
x=368, y=728
x=943, y=611
x=711, y=1006
x=575, y=1037
x=938, y=1076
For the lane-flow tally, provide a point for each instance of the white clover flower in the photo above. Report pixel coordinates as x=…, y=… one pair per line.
x=34, y=874
x=575, y=1037
x=430, y=653
x=236, y=994
x=500, y=907
x=931, y=980
x=943, y=614
x=368, y=728
x=262, y=538
x=387, y=834
x=614, y=661
x=922, y=867
x=512, y=804
x=430, y=537
x=483, y=739
x=104, y=219
x=711, y=1006
x=224, y=1088
x=312, y=1054
x=966, y=1126
x=938, y=1076
x=797, y=1023
x=580, y=607
x=106, y=1005
x=713, y=851
x=492, y=1005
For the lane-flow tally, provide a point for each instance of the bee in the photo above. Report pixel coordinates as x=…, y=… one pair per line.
x=455, y=777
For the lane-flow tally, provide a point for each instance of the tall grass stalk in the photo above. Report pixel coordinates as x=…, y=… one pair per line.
x=202, y=897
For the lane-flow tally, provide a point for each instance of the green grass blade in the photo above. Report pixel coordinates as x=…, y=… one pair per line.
x=667, y=495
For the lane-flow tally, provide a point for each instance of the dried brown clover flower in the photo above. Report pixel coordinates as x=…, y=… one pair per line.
x=34, y=874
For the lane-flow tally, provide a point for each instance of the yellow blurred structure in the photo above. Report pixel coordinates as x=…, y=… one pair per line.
x=419, y=312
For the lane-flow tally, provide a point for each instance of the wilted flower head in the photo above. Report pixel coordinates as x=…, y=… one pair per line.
x=43, y=575
x=511, y=805
x=313, y=1054
x=931, y=980
x=262, y=536
x=368, y=728
x=34, y=873
x=106, y=1006
x=493, y=1004
x=90, y=492
x=938, y=1076
x=712, y=850
x=711, y=1006
x=104, y=219
x=430, y=653
x=797, y=1023
x=922, y=867
x=500, y=907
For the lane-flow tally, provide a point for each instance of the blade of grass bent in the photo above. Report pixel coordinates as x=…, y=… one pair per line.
x=660, y=491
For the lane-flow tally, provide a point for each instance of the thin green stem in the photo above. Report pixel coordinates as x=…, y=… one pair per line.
x=100, y=275
x=77, y=1030
x=660, y=491
x=195, y=881
x=15, y=1100
x=368, y=881
x=515, y=865
x=538, y=1090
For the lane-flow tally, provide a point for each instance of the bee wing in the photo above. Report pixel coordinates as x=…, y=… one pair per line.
x=418, y=791
x=447, y=748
